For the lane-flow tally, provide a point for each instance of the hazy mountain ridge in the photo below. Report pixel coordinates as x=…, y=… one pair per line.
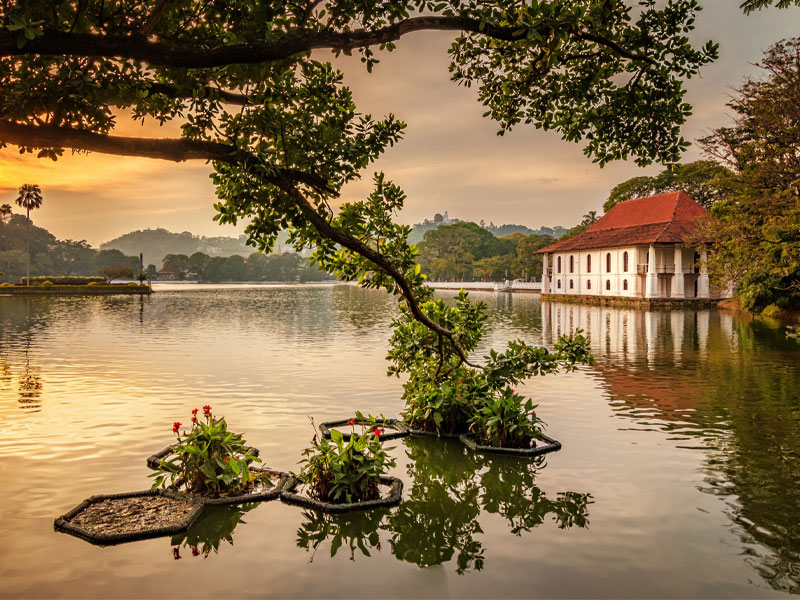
x=155, y=244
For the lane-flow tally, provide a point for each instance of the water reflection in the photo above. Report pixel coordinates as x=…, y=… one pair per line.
x=721, y=383
x=439, y=521
x=25, y=319
x=214, y=526
x=356, y=532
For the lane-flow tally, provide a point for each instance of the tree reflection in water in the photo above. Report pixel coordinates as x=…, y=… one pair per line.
x=214, y=526
x=509, y=489
x=358, y=530
x=439, y=520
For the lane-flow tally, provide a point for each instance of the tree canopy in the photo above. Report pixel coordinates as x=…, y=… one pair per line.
x=246, y=82
x=705, y=181
x=757, y=224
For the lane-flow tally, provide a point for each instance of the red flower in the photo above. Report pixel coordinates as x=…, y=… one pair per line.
x=194, y=419
x=227, y=458
x=207, y=411
x=175, y=426
x=351, y=421
x=195, y=551
x=377, y=432
x=459, y=381
x=194, y=412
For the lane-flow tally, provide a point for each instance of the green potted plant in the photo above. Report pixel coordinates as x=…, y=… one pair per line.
x=340, y=475
x=212, y=464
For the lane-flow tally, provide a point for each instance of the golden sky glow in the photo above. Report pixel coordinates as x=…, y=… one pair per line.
x=450, y=158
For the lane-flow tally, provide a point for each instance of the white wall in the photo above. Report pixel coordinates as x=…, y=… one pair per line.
x=593, y=283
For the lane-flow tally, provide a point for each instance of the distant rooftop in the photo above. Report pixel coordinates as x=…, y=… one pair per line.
x=665, y=218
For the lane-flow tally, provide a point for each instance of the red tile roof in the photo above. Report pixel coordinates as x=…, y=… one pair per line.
x=662, y=218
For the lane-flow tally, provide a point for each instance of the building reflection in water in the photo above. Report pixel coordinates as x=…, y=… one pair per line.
x=720, y=382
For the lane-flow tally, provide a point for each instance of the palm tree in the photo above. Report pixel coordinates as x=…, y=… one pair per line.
x=30, y=198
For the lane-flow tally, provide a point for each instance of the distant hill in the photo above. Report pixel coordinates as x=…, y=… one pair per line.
x=418, y=231
x=155, y=244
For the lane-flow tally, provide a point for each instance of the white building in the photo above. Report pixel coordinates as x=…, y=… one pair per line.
x=636, y=250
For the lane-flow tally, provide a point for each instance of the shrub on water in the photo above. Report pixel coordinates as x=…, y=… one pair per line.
x=47, y=284
x=445, y=394
x=337, y=471
x=209, y=459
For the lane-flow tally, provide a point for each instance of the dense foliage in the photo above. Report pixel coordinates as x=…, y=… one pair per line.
x=756, y=227
x=704, y=181
x=257, y=267
x=345, y=471
x=465, y=251
x=50, y=256
x=209, y=459
x=446, y=394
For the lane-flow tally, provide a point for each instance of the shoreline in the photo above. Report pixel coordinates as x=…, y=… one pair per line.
x=76, y=290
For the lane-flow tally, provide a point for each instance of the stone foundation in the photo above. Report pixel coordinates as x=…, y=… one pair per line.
x=646, y=303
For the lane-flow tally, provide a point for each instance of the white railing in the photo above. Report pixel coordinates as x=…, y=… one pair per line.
x=526, y=285
x=500, y=286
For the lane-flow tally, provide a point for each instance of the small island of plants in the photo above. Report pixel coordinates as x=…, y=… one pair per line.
x=213, y=464
x=447, y=395
x=340, y=475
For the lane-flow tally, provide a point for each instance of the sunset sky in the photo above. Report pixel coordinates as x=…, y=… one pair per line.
x=450, y=160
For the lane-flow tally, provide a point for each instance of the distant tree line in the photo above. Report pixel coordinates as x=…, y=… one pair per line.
x=466, y=251
x=51, y=256
x=287, y=267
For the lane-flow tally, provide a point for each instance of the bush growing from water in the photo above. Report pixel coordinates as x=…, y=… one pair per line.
x=208, y=460
x=339, y=471
x=446, y=394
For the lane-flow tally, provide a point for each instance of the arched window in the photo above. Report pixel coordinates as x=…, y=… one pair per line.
x=608, y=282
x=571, y=264
x=559, y=264
x=625, y=283
x=570, y=284
x=559, y=284
x=608, y=262
x=625, y=261
x=588, y=285
x=588, y=263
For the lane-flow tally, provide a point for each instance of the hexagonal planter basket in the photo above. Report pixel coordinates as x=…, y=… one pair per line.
x=259, y=493
x=154, y=460
x=394, y=495
x=544, y=445
x=109, y=519
x=390, y=428
x=426, y=433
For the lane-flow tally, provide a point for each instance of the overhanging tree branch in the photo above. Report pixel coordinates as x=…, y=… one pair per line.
x=170, y=55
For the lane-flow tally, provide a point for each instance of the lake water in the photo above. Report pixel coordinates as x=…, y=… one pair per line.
x=679, y=475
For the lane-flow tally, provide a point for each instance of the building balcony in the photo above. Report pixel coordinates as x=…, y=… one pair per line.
x=664, y=269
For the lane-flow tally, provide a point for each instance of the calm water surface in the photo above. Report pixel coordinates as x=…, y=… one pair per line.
x=679, y=476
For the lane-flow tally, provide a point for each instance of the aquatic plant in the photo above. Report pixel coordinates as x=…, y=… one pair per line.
x=207, y=460
x=447, y=393
x=337, y=471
